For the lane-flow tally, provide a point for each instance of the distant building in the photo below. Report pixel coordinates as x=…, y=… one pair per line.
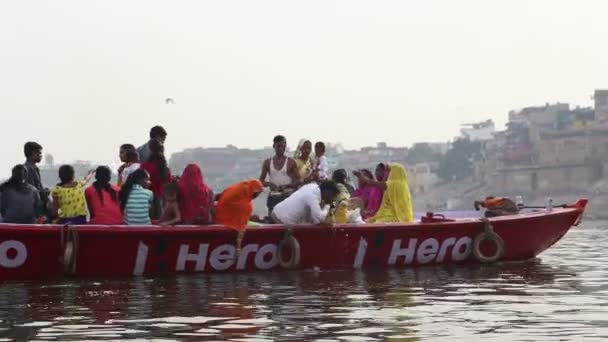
x=480, y=131
x=601, y=104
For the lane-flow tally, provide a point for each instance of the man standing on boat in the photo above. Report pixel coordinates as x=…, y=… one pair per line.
x=282, y=172
x=33, y=155
x=157, y=133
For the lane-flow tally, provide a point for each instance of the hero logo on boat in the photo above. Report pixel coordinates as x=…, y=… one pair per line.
x=220, y=258
x=13, y=254
x=430, y=250
x=422, y=252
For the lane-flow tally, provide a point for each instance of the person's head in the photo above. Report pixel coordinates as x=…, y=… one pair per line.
x=305, y=149
x=367, y=173
x=339, y=176
x=158, y=133
x=279, y=143
x=381, y=172
x=171, y=191
x=17, y=180
x=124, y=150
x=255, y=187
x=329, y=191
x=103, y=176
x=33, y=151
x=192, y=175
x=319, y=149
x=138, y=177
x=66, y=174
x=396, y=172
x=131, y=156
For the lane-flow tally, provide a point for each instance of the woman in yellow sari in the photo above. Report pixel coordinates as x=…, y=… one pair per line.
x=303, y=160
x=396, y=204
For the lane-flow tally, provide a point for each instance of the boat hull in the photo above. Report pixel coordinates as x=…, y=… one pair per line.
x=29, y=252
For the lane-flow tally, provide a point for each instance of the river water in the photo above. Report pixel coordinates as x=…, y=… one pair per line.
x=561, y=296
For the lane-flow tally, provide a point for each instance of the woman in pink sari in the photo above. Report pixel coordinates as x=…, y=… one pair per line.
x=371, y=195
x=196, y=198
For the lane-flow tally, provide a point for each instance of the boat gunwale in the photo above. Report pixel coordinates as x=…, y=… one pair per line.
x=189, y=229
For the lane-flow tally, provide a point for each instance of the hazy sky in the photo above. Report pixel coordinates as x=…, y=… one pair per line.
x=82, y=77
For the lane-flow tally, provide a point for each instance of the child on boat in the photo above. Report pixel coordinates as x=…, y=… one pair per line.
x=136, y=199
x=130, y=159
x=171, y=214
x=69, y=203
x=321, y=166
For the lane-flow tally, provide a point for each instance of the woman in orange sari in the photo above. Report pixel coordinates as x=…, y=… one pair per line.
x=234, y=206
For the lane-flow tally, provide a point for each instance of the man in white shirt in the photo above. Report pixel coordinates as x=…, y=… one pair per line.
x=304, y=205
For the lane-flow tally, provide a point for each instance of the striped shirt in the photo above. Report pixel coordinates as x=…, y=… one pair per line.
x=137, y=210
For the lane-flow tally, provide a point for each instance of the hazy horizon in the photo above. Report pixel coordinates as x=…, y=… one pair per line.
x=81, y=78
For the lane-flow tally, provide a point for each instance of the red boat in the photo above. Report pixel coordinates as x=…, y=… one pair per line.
x=47, y=251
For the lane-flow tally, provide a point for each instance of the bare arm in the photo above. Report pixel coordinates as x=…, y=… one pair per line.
x=171, y=211
x=293, y=173
x=264, y=174
x=369, y=181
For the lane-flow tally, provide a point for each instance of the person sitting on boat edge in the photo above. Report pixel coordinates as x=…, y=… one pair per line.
x=341, y=203
x=234, y=207
x=130, y=162
x=282, y=172
x=158, y=134
x=396, y=204
x=102, y=199
x=136, y=199
x=304, y=160
x=33, y=155
x=19, y=200
x=160, y=175
x=497, y=206
x=171, y=214
x=304, y=205
x=320, y=163
x=69, y=203
x=369, y=194
x=196, y=198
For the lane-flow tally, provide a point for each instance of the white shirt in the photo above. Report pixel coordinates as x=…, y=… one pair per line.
x=322, y=166
x=127, y=171
x=302, y=207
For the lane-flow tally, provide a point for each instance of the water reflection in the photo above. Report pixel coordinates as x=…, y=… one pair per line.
x=561, y=296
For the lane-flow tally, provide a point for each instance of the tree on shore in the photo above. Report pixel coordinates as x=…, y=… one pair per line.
x=457, y=163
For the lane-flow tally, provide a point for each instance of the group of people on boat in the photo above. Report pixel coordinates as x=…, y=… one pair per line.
x=301, y=191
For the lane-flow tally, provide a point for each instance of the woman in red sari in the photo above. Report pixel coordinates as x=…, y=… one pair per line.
x=196, y=198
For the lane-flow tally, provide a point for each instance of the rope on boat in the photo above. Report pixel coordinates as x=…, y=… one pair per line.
x=289, y=241
x=69, y=245
x=488, y=234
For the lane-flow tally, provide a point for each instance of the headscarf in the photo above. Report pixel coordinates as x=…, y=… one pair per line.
x=397, y=200
x=195, y=196
x=234, y=207
x=304, y=166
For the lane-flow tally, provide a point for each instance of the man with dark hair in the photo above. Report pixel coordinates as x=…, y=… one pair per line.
x=33, y=155
x=157, y=133
x=304, y=205
x=282, y=172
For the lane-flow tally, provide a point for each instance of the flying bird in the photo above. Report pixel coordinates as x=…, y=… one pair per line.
x=169, y=100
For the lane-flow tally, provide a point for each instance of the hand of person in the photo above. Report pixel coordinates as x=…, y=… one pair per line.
x=476, y=205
